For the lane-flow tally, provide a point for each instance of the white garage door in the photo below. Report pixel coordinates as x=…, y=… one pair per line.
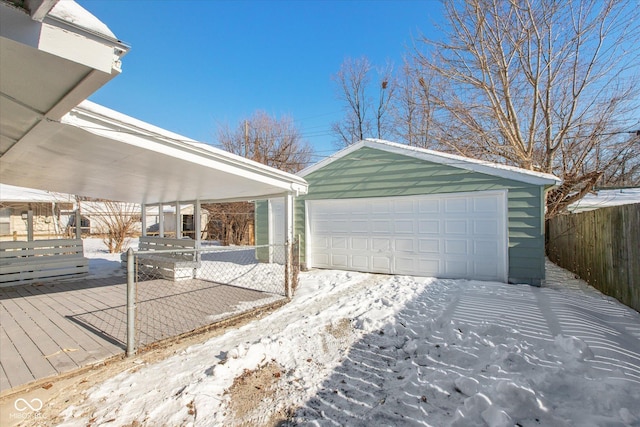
x=462, y=235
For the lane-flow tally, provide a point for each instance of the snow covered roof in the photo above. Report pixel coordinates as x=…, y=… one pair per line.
x=481, y=166
x=72, y=13
x=11, y=193
x=605, y=198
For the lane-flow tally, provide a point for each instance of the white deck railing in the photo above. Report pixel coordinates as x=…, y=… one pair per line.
x=38, y=260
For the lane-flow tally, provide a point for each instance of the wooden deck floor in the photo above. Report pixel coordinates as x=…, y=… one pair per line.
x=58, y=327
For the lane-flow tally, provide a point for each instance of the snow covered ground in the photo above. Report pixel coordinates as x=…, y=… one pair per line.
x=362, y=349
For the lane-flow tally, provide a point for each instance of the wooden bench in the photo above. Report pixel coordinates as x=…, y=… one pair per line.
x=155, y=257
x=27, y=262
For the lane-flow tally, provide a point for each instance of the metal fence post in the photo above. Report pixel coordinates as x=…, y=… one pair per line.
x=131, y=304
x=288, y=269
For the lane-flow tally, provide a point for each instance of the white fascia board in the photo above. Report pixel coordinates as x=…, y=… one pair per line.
x=474, y=165
x=59, y=38
x=99, y=54
x=110, y=124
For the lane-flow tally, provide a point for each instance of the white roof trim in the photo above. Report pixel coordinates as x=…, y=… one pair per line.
x=13, y=194
x=72, y=13
x=125, y=128
x=480, y=166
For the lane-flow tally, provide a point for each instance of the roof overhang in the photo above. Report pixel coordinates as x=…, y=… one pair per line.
x=51, y=61
x=94, y=151
x=480, y=166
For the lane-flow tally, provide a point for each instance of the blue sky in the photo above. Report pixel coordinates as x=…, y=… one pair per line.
x=197, y=64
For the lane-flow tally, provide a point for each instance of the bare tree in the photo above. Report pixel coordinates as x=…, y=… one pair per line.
x=545, y=85
x=265, y=139
x=367, y=102
x=386, y=94
x=268, y=140
x=412, y=109
x=116, y=222
x=230, y=223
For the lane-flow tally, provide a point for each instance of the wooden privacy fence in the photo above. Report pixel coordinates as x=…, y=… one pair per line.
x=27, y=262
x=602, y=247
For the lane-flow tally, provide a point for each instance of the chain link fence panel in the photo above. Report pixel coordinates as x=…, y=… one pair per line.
x=180, y=291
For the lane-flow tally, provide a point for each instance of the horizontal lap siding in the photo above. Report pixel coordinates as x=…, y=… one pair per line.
x=374, y=173
x=262, y=229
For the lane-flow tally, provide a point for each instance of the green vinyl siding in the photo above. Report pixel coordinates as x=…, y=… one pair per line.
x=261, y=229
x=369, y=172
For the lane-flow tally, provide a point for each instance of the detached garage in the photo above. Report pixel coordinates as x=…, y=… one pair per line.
x=382, y=207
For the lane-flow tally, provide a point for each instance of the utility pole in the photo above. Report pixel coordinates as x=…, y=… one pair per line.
x=246, y=138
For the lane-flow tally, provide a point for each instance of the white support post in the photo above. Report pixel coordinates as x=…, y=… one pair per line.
x=178, y=221
x=288, y=239
x=197, y=219
x=30, y=225
x=143, y=218
x=160, y=220
x=78, y=224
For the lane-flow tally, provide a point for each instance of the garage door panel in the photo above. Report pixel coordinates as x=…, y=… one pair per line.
x=486, y=248
x=456, y=268
x=405, y=265
x=321, y=243
x=404, y=207
x=430, y=267
x=428, y=227
x=429, y=206
x=429, y=246
x=455, y=247
x=321, y=259
x=379, y=207
x=455, y=226
x=381, y=226
x=339, y=226
x=404, y=245
x=380, y=245
x=488, y=226
x=403, y=226
x=323, y=227
x=445, y=235
x=485, y=204
x=339, y=243
x=455, y=205
x=360, y=226
x=339, y=260
x=485, y=270
x=360, y=244
x=380, y=264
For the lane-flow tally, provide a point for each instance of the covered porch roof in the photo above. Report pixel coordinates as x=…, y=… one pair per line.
x=94, y=151
x=55, y=55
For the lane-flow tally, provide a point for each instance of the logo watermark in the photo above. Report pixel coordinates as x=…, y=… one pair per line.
x=27, y=408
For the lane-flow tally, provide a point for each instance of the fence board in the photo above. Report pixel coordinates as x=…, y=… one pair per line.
x=602, y=247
